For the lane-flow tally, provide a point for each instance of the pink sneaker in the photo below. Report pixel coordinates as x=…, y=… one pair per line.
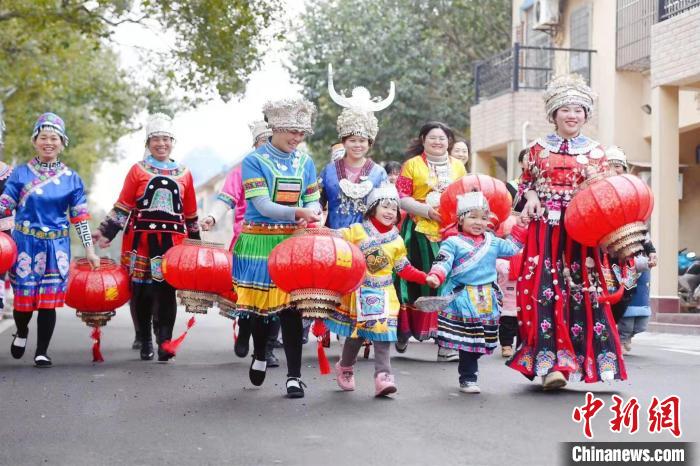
x=384, y=384
x=345, y=376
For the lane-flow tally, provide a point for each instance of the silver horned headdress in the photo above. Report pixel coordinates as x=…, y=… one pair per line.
x=357, y=117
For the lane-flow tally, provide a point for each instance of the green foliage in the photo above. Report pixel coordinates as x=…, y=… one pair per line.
x=59, y=57
x=427, y=47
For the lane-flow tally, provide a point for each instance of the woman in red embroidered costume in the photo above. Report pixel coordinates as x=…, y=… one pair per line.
x=157, y=209
x=565, y=333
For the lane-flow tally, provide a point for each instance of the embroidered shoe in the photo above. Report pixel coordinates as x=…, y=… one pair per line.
x=18, y=346
x=295, y=387
x=506, y=351
x=553, y=381
x=384, y=384
x=345, y=376
x=447, y=355
x=469, y=387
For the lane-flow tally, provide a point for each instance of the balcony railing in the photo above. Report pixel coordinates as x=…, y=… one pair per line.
x=634, y=21
x=527, y=67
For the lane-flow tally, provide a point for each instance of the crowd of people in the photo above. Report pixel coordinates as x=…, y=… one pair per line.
x=543, y=295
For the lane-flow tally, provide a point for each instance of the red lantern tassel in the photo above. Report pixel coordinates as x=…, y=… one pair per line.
x=96, y=353
x=319, y=330
x=171, y=346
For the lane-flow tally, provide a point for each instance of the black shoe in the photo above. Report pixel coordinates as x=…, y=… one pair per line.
x=241, y=347
x=295, y=387
x=17, y=351
x=41, y=360
x=146, y=350
x=272, y=360
x=256, y=377
x=401, y=346
x=164, y=356
x=136, y=345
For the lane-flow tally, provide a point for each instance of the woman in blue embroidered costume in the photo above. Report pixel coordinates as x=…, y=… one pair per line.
x=345, y=183
x=466, y=264
x=5, y=171
x=281, y=193
x=567, y=334
x=371, y=312
x=157, y=209
x=40, y=193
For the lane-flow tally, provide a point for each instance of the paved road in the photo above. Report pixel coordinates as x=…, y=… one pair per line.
x=201, y=408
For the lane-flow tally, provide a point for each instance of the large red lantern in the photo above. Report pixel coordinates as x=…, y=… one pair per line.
x=199, y=271
x=495, y=190
x=611, y=212
x=316, y=266
x=227, y=304
x=8, y=252
x=96, y=294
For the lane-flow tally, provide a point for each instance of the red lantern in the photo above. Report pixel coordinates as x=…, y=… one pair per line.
x=199, y=271
x=611, y=212
x=227, y=304
x=495, y=190
x=96, y=294
x=8, y=252
x=316, y=266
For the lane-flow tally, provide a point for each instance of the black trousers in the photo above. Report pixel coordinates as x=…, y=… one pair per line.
x=155, y=299
x=292, y=329
x=507, y=330
x=45, y=321
x=468, y=366
x=245, y=329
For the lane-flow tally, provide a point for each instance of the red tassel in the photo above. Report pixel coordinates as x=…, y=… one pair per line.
x=319, y=330
x=96, y=353
x=171, y=346
x=613, y=298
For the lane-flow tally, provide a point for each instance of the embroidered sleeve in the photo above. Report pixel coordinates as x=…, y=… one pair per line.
x=226, y=199
x=254, y=183
x=528, y=175
x=78, y=209
x=83, y=229
x=511, y=245
x=127, y=197
x=232, y=190
x=192, y=225
x=8, y=200
x=7, y=205
x=189, y=199
x=412, y=274
x=113, y=222
x=312, y=192
x=442, y=265
x=404, y=183
x=401, y=264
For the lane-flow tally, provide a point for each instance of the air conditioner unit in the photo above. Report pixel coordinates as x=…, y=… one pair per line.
x=546, y=14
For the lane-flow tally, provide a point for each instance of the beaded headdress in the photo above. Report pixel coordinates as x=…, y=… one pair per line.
x=385, y=191
x=471, y=201
x=290, y=114
x=159, y=124
x=259, y=129
x=615, y=155
x=51, y=122
x=568, y=89
x=357, y=117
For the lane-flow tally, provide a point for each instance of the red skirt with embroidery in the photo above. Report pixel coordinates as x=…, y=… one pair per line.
x=563, y=327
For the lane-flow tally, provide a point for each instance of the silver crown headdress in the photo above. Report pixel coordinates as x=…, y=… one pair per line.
x=385, y=191
x=259, y=129
x=568, y=89
x=290, y=114
x=357, y=117
x=159, y=124
x=616, y=155
x=471, y=201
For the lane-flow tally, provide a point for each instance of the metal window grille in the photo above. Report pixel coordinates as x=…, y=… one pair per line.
x=580, y=27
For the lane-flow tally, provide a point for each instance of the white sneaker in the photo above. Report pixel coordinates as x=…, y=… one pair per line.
x=627, y=345
x=447, y=355
x=469, y=387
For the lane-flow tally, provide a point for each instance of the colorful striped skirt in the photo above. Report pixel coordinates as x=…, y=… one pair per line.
x=257, y=294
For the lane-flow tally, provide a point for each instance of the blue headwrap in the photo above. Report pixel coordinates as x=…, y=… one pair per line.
x=52, y=122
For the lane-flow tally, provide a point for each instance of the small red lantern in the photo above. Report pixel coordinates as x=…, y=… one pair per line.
x=96, y=294
x=316, y=266
x=611, y=212
x=495, y=190
x=199, y=271
x=8, y=252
